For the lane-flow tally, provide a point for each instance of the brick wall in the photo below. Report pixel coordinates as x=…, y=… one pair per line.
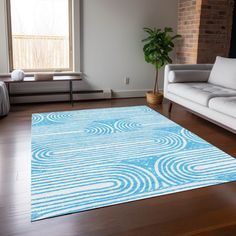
x=205, y=26
x=188, y=27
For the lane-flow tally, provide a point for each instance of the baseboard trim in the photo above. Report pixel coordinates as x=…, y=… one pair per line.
x=129, y=93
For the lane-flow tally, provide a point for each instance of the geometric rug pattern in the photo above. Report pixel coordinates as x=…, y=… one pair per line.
x=83, y=160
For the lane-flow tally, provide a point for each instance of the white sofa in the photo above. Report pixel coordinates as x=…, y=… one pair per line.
x=205, y=89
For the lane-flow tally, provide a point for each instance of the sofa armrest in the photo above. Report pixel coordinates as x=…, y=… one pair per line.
x=186, y=69
x=182, y=76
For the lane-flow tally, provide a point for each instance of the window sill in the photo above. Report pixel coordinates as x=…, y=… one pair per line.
x=30, y=74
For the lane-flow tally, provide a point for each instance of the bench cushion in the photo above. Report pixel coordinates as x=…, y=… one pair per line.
x=224, y=73
x=225, y=105
x=200, y=93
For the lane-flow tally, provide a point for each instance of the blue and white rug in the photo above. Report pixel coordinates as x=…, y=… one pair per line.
x=87, y=159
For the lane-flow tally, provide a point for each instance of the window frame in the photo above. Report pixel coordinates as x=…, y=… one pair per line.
x=71, y=48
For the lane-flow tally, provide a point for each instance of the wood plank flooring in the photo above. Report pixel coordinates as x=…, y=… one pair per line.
x=201, y=212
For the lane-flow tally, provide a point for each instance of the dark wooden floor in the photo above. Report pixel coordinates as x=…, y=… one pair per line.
x=206, y=211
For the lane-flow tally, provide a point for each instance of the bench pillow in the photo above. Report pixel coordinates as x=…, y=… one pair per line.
x=224, y=73
x=183, y=76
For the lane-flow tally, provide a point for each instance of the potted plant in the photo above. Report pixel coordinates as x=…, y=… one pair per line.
x=157, y=48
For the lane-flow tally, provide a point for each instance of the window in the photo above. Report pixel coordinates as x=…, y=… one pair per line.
x=40, y=35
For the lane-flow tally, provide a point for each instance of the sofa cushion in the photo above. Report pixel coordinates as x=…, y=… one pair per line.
x=200, y=93
x=225, y=105
x=180, y=76
x=224, y=73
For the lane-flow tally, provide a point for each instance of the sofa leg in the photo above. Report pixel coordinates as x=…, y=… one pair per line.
x=170, y=106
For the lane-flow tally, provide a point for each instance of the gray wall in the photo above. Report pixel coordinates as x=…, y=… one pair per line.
x=112, y=34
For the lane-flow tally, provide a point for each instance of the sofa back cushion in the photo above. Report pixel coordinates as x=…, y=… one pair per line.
x=224, y=73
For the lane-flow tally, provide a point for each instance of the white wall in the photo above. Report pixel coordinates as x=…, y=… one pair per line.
x=112, y=34
x=111, y=47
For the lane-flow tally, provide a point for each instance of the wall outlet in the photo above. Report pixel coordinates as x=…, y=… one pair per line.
x=127, y=80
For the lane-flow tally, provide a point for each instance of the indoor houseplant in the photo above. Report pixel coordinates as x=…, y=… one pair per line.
x=157, y=48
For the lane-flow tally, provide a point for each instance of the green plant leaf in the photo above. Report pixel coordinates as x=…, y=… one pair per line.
x=148, y=30
x=176, y=36
x=158, y=45
x=168, y=30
